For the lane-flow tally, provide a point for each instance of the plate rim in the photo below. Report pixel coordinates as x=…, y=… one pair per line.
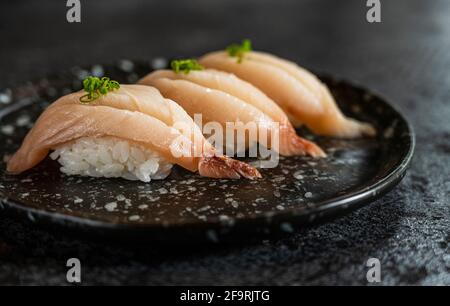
x=349, y=201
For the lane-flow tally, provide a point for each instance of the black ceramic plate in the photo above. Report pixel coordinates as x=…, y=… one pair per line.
x=187, y=207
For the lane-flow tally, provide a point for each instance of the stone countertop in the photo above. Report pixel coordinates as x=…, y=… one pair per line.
x=405, y=58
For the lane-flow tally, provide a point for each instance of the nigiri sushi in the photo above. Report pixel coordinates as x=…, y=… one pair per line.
x=304, y=98
x=128, y=131
x=222, y=97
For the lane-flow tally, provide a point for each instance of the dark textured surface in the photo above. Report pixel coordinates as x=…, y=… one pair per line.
x=405, y=58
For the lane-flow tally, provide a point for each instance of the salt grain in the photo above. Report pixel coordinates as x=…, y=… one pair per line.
x=204, y=208
x=298, y=175
x=23, y=120
x=7, y=130
x=111, y=206
x=162, y=190
x=120, y=197
x=134, y=218
x=5, y=98
x=126, y=65
x=159, y=63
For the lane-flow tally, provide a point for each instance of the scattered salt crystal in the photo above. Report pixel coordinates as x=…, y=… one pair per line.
x=189, y=181
x=278, y=179
x=280, y=207
x=5, y=97
x=162, y=190
x=308, y=195
x=23, y=120
x=159, y=63
x=7, y=129
x=126, y=65
x=111, y=206
x=298, y=175
x=232, y=202
x=204, y=208
x=134, y=218
x=120, y=197
x=143, y=206
x=77, y=200
x=224, y=218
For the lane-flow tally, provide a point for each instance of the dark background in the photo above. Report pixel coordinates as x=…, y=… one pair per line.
x=406, y=58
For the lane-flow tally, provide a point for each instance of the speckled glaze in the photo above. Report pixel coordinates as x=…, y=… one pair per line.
x=187, y=207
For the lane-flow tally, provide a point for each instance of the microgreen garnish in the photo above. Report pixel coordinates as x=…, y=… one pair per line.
x=96, y=87
x=239, y=50
x=185, y=65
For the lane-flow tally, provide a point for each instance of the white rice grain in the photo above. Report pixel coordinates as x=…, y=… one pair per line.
x=111, y=157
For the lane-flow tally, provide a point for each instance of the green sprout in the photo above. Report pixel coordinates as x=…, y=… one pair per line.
x=185, y=65
x=239, y=50
x=96, y=87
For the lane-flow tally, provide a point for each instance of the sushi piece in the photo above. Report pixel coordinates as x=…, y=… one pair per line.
x=130, y=132
x=304, y=98
x=222, y=97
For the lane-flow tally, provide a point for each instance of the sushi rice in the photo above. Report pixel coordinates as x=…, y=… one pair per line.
x=111, y=157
